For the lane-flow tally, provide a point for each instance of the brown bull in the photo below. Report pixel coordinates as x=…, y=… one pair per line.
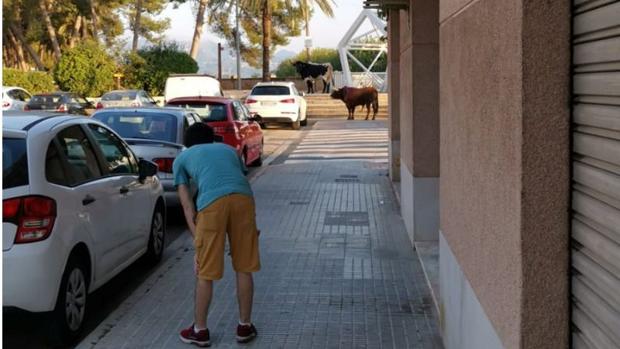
x=352, y=97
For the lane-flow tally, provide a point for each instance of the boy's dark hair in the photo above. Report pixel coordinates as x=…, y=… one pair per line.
x=198, y=133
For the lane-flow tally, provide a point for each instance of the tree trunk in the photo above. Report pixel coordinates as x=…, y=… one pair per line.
x=94, y=21
x=266, y=39
x=307, y=19
x=200, y=19
x=50, y=28
x=76, y=31
x=20, y=59
x=136, y=25
x=20, y=36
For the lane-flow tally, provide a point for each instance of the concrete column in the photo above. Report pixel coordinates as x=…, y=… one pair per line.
x=419, y=119
x=394, y=93
x=505, y=175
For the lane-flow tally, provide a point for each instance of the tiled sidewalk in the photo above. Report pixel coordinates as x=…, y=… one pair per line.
x=338, y=272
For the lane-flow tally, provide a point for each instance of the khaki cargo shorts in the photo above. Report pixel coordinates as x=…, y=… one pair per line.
x=234, y=214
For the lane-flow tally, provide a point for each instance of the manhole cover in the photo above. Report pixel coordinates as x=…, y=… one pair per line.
x=346, y=218
x=347, y=180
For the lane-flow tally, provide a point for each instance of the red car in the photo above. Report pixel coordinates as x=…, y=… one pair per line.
x=230, y=119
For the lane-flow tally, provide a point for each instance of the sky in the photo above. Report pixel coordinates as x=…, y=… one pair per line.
x=325, y=31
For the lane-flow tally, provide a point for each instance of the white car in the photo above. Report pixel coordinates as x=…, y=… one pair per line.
x=191, y=85
x=155, y=134
x=278, y=102
x=78, y=208
x=126, y=98
x=14, y=98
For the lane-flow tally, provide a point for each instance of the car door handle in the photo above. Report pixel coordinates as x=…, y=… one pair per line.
x=88, y=200
x=124, y=190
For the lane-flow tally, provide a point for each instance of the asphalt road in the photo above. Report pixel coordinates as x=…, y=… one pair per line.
x=26, y=330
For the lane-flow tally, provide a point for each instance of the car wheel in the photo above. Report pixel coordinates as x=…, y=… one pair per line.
x=259, y=161
x=70, y=310
x=303, y=122
x=296, y=125
x=157, y=236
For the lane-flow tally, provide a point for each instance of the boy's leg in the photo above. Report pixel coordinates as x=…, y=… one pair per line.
x=245, y=294
x=204, y=293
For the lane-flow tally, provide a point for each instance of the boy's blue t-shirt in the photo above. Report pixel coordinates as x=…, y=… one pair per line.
x=217, y=170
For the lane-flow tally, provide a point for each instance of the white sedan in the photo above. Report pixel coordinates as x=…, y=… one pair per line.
x=78, y=208
x=278, y=102
x=14, y=98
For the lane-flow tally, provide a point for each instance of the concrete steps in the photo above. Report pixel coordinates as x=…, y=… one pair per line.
x=323, y=106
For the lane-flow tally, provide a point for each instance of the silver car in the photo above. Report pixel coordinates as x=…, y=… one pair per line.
x=14, y=98
x=154, y=134
x=126, y=98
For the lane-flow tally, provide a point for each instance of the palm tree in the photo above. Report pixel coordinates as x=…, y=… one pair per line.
x=265, y=5
x=200, y=20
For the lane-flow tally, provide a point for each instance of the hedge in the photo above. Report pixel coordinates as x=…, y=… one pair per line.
x=32, y=81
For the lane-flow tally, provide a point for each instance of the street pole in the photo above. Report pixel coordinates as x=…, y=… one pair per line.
x=237, y=45
x=219, y=61
x=306, y=10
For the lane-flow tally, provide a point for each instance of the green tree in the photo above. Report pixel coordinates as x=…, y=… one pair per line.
x=143, y=22
x=33, y=81
x=149, y=68
x=85, y=69
x=284, y=19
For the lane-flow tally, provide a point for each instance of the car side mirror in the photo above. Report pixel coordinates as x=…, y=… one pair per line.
x=146, y=169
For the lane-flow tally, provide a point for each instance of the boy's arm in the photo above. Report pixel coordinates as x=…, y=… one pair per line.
x=189, y=210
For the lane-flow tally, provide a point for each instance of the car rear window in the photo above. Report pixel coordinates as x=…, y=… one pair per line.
x=14, y=163
x=119, y=96
x=206, y=111
x=271, y=91
x=48, y=101
x=156, y=126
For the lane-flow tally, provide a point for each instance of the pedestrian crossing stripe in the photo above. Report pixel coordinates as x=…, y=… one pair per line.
x=342, y=145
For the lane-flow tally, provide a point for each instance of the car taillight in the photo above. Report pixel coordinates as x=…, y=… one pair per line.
x=6, y=104
x=99, y=105
x=62, y=108
x=26, y=107
x=250, y=101
x=288, y=100
x=135, y=104
x=33, y=215
x=164, y=164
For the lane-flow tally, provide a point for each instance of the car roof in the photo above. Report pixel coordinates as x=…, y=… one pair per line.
x=219, y=99
x=12, y=88
x=121, y=91
x=275, y=83
x=170, y=110
x=19, y=120
x=57, y=93
x=197, y=75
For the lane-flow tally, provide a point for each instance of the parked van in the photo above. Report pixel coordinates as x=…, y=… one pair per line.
x=191, y=85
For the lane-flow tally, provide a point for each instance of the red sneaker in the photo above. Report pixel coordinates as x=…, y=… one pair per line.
x=200, y=338
x=245, y=333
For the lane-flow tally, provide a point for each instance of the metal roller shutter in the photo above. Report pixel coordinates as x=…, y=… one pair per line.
x=596, y=175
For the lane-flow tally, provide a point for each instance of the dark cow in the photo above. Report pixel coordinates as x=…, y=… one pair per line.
x=353, y=97
x=313, y=71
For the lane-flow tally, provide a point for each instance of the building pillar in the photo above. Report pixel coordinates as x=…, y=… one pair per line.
x=505, y=174
x=419, y=119
x=394, y=93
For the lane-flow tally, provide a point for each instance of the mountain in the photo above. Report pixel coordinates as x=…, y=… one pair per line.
x=207, y=60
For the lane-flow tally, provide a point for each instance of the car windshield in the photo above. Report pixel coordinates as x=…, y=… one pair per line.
x=206, y=111
x=156, y=126
x=271, y=91
x=119, y=96
x=14, y=163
